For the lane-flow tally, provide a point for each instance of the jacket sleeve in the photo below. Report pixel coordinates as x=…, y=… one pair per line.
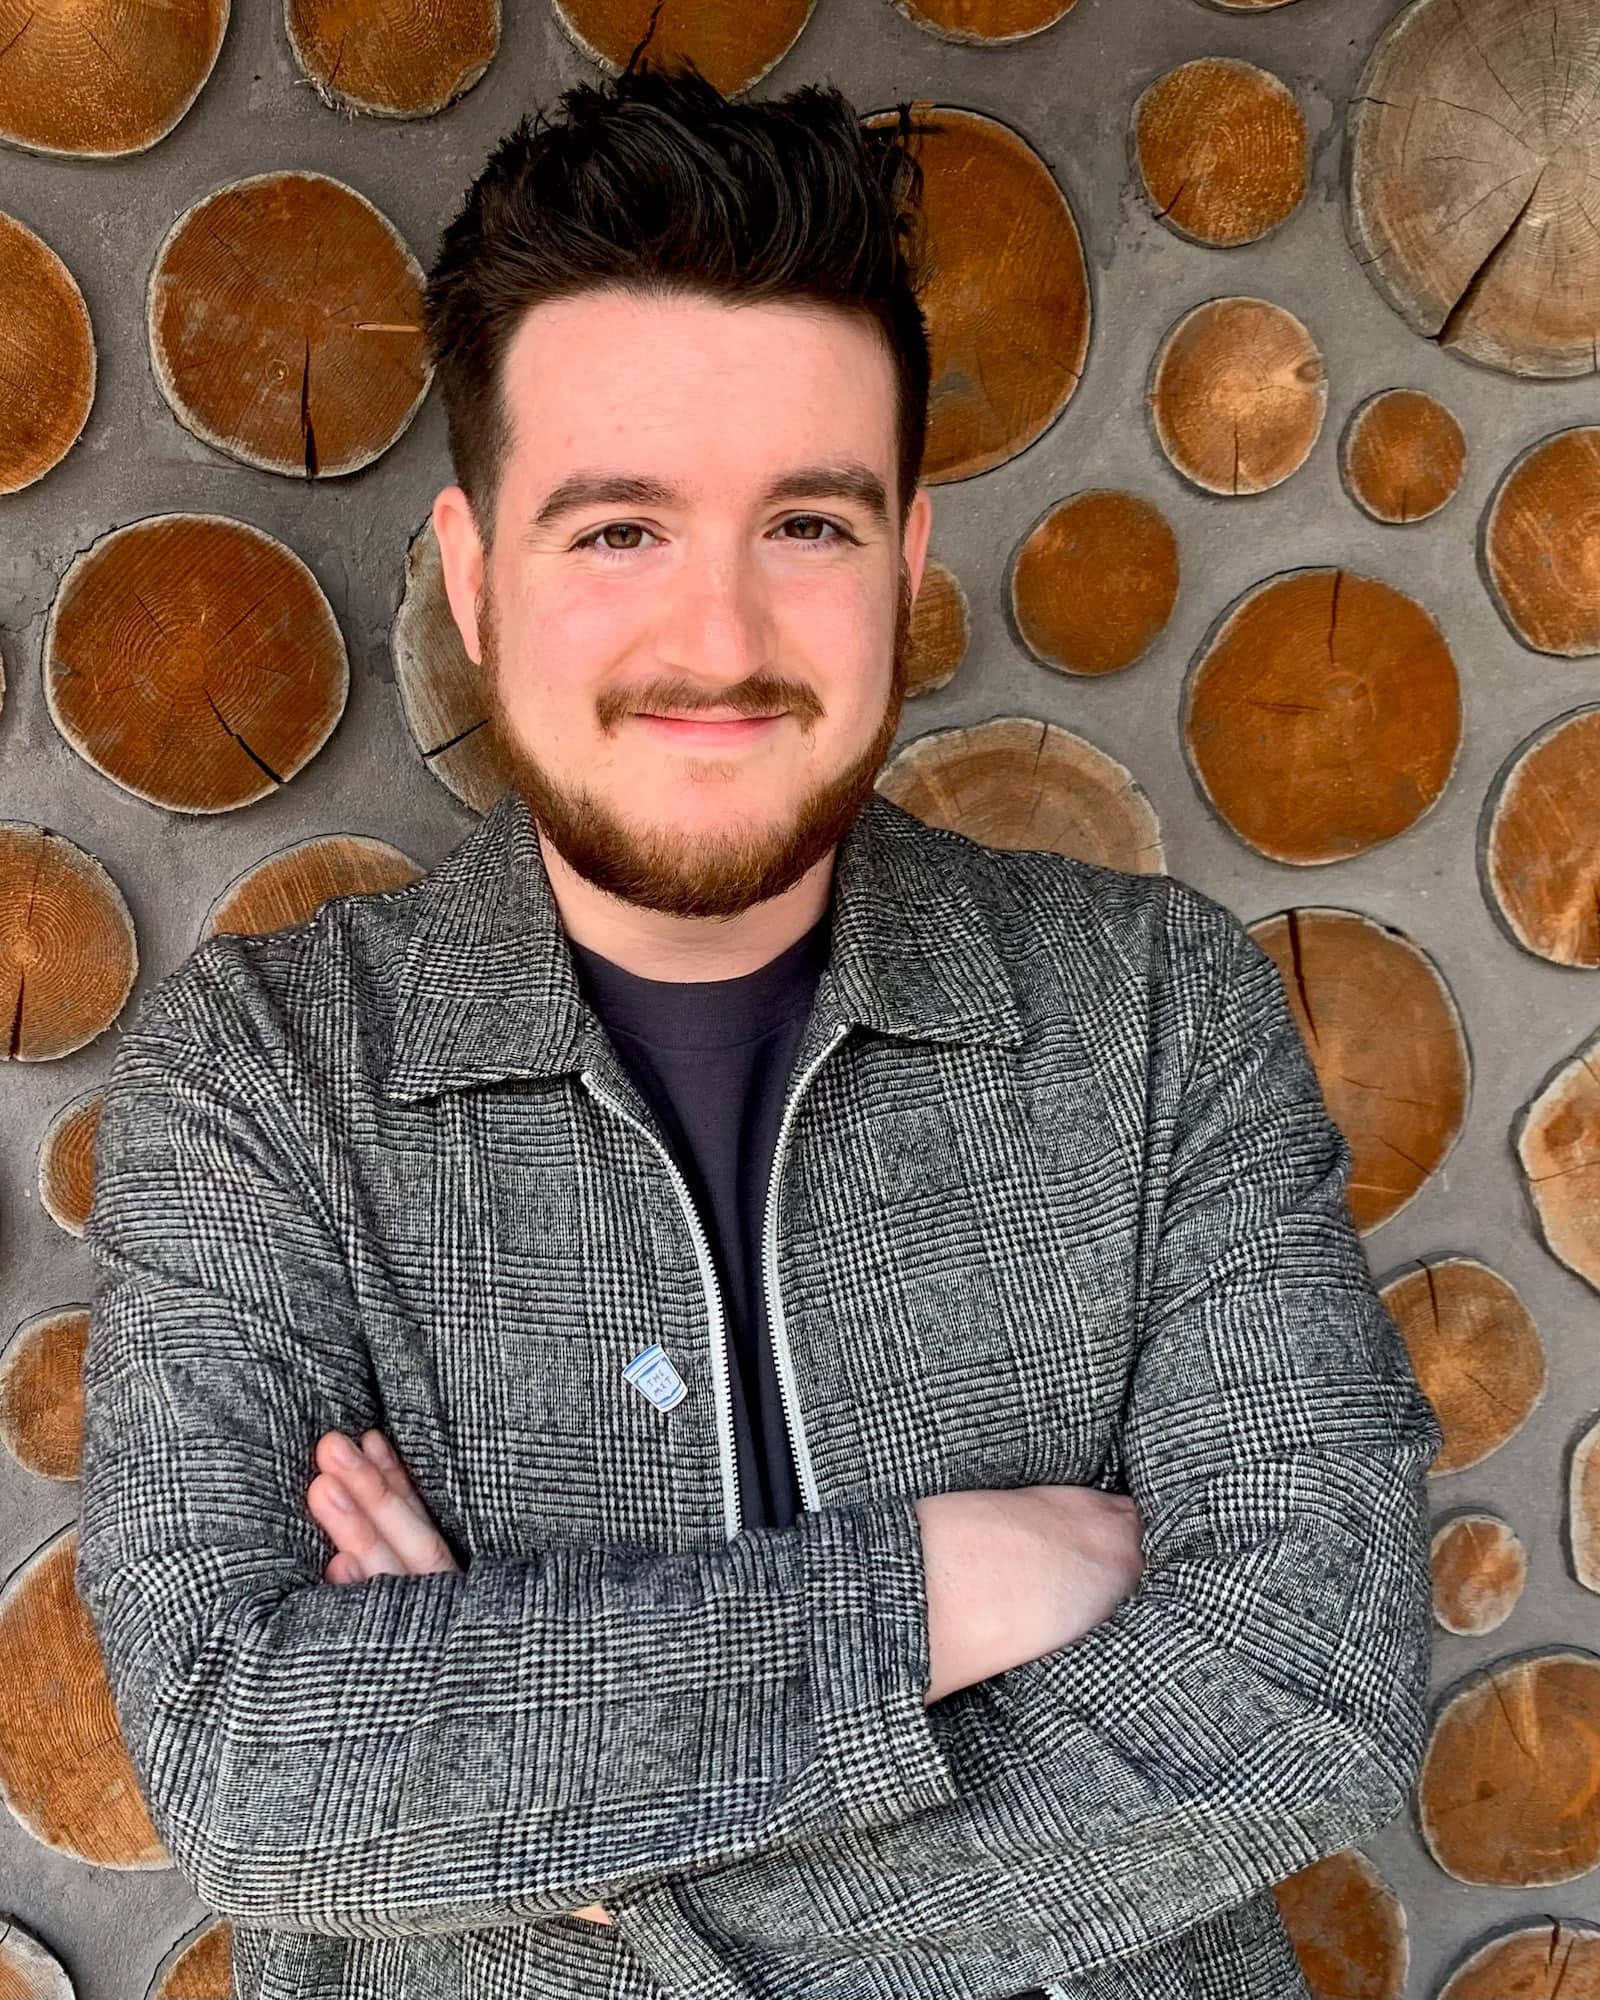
x=416, y=1754
x=1259, y=1701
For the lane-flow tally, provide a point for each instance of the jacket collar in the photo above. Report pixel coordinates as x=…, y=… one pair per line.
x=488, y=988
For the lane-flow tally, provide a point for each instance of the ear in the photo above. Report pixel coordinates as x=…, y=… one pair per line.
x=461, y=554
x=919, y=525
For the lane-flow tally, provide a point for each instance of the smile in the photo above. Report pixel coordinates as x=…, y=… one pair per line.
x=720, y=734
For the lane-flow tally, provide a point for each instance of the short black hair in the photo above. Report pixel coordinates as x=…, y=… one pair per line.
x=655, y=182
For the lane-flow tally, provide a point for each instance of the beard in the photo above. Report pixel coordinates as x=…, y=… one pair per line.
x=686, y=873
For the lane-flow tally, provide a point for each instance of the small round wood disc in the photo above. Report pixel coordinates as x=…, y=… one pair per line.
x=66, y=1162
x=1507, y=1795
x=1474, y=1349
x=404, y=59
x=1553, y=1958
x=732, y=45
x=1403, y=457
x=47, y=357
x=194, y=660
x=1541, y=858
x=199, y=1966
x=1237, y=395
x=1322, y=715
x=97, y=81
x=983, y=22
x=1094, y=581
x=1542, y=544
x=1474, y=139
x=1222, y=150
x=41, y=1393
x=1016, y=782
x=941, y=627
x=1007, y=308
x=289, y=887
x=1479, y=1569
x=285, y=325
x=64, y=1767
x=440, y=685
x=1347, y=1927
x=28, y=1969
x=1557, y=1139
x=1583, y=1508
x=1386, y=1041
x=68, y=958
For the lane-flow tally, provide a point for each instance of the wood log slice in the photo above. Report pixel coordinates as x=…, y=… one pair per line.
x=1237, y=395
x=28, y=1971
x=1403, y=457
x=47, y=356
x=285, y=325
x=66, y=1162
x=200, y=1965
x=41, y=1393
x=1474, y=136
x=68, y=956
x=1509, y=1791
x=1557, y=1140
x=403, y=59
x=1541, y=544
x=732, y=46
x=1541, y=854
x=289, y=887
x=194, y=660
x=1475, y=1351
x=1479, y=1569
x=1322, y=715
x=1016, y=782
x=1386, y=1041
x=941, y=629
x=1245, y=6
x=1583, y=1508
x=64, y=1766
x=1221, y=151
x=1347, y=1927
x=99, y=80
x=441, y=686
x=983, y=22
x=1008, y=309
x=1553, y=1958
x=1094, y=581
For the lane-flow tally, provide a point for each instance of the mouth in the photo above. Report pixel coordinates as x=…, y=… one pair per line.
x=719, y=731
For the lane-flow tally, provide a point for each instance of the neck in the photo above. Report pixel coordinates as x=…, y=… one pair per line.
x=652, y=944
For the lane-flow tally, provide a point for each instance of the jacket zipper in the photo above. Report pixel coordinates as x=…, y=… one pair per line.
x=731, y=1510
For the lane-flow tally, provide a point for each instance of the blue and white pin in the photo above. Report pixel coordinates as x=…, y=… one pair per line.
x=653, y=1375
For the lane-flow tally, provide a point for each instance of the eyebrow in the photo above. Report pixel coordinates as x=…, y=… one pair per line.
x=846, y=479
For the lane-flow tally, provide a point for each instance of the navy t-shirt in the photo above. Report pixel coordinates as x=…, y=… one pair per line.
x=713, y=1058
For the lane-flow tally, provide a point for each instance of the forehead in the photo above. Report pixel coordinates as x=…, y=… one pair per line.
x=695, y=389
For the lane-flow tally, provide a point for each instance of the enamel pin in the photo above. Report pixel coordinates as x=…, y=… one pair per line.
x=653, y=1375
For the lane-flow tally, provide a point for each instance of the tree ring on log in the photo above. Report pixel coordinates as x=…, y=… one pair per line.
x=284, y=319
x=1019, y=783
x=193, y=660
x=1403, y=456
x=1473, y=133
x=1237, y=395
x=1541, y=544
x=1322, y=715
x=389, y=61
x=1093, y=583
x=68, y=955
x=1221, y=151
x=47, y=359
x=1386, y=1040
x=99, y=82
x=1475, y=1351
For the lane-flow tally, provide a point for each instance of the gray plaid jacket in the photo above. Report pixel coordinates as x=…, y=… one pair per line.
x=1057, y=1199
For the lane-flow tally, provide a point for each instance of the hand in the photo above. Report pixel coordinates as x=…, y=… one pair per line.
x=383, y=1529
x=1013, y=1574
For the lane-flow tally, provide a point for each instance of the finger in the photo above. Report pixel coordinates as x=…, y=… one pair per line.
x=359, y=1548
x=401, y=1523
x=393, y=1467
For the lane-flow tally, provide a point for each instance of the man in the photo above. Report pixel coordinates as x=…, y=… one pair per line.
x=734, y=1396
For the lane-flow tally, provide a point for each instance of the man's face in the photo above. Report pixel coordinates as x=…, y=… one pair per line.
x=708, y=594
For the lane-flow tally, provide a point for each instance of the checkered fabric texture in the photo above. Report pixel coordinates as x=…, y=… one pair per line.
x=1059, y=1200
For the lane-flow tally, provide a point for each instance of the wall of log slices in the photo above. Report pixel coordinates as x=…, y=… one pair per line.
x=1265, y=451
